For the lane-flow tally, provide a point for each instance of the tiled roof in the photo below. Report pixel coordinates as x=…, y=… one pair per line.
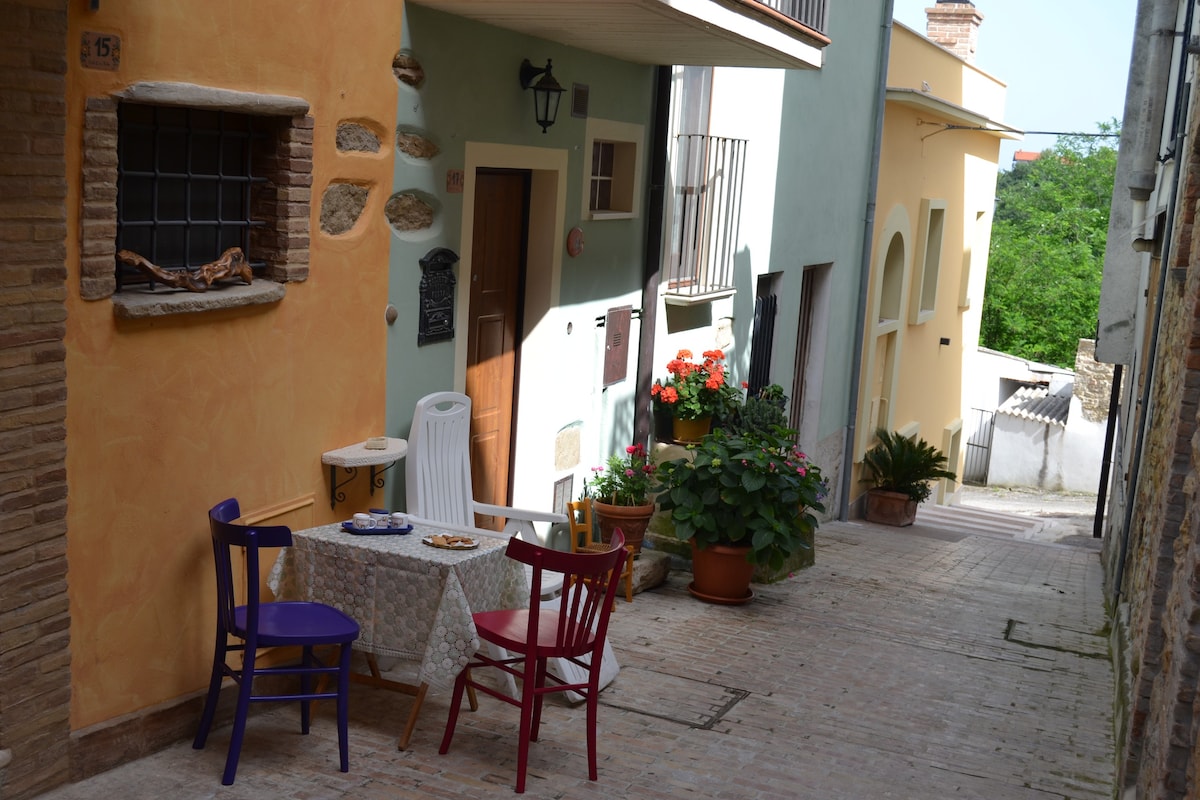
x=1037, y=403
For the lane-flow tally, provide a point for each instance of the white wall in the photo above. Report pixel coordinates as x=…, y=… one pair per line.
x=1035, y=454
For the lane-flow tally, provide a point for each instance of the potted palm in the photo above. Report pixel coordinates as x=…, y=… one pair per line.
x=620, y=493
x=742, y=499
x=899, y=469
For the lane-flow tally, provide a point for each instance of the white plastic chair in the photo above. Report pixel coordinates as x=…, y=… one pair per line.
x=437, y=472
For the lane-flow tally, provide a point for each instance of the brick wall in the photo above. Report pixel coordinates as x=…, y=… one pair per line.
x=955, y=26
x=1162, y=572
x=35, y=686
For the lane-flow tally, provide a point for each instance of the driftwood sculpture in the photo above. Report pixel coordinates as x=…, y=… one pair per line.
x=231, y=264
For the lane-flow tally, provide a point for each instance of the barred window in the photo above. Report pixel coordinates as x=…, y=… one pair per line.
x=188, y=183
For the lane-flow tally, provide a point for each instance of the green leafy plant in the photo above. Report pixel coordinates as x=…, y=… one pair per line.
x=625, y=481
x=695, y=389
x=904, y=464
x=756, y=489
x=759, y=413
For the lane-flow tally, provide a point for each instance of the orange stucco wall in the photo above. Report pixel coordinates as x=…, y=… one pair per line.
x=170, y=415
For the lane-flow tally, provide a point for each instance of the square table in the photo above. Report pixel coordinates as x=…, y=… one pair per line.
x=412, y=601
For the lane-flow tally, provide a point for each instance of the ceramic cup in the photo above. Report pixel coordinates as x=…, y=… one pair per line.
x=380, y=515
x=397, y=520
x=364, y=522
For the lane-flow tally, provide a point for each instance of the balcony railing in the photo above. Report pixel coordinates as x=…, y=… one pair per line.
x=809, y=13
x=706, y=215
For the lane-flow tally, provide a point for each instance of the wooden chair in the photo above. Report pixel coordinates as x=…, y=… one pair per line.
x=573, y=628
x=279, y=624
x=580, y=516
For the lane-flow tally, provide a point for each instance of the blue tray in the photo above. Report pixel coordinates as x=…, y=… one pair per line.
x=348, y=526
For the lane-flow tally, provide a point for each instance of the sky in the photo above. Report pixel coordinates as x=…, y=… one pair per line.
x=1065, y=61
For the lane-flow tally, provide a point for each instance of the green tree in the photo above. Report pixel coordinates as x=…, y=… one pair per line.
x=1047, y=250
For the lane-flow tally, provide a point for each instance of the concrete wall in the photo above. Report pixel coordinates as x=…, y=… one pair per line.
x=1043, y=455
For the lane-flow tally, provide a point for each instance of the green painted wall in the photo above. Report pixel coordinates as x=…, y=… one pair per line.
x=471, y=93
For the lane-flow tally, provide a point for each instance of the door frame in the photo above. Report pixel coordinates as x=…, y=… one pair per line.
x=540, y=359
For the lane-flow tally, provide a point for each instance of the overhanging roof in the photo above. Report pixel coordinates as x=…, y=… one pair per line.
x=719, y=33
x=953, y=115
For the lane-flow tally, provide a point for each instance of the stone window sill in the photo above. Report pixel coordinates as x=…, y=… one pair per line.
x=142, y=303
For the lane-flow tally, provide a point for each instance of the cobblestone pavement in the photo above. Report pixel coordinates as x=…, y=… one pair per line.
x=939, y=661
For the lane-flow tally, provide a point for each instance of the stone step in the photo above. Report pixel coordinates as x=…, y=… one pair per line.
x=968, y=519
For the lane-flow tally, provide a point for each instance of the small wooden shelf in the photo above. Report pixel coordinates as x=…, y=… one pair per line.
x=354, y=456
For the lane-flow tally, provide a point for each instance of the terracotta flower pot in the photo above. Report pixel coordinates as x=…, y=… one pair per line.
x=632, y=520
x=690, y=430
x=890, y=508
x=721, y=574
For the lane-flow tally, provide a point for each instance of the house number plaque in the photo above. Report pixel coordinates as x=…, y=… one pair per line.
x=100, y=50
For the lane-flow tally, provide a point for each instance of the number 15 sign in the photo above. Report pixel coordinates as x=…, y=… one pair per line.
x=100, y=50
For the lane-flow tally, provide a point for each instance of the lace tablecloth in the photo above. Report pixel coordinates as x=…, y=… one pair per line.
x=411, y=601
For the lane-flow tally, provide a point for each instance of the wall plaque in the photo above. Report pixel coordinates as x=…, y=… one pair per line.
x=437, y=296
x=100, y=50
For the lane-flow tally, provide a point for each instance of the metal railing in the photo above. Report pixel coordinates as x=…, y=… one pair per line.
x=809, y=13
x=706, y=214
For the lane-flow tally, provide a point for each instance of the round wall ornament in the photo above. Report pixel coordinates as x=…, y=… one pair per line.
x=574, y=241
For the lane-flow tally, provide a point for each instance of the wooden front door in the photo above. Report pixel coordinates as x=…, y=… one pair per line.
x=494, y=328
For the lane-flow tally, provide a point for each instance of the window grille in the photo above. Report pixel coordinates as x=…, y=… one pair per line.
x=186, y=181
x=707, y=212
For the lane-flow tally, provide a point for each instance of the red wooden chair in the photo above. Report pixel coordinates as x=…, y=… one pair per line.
x=280, y=624
x=574, y=628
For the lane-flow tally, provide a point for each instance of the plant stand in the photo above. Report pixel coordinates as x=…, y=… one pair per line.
x=890, y=508
x=721, y=574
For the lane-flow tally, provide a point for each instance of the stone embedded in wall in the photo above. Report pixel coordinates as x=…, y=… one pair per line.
x=405, y=211
x=415, y=143
x=341, y=206
x=566, y=448
x=355, y=138
x=408, y=70
x=1093, y=382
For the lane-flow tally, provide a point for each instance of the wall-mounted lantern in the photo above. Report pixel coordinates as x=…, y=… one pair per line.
x=546, y=92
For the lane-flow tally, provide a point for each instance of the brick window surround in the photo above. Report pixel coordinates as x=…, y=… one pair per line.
x=283, y=244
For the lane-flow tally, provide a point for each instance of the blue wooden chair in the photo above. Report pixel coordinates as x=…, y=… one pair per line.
x=279, y=624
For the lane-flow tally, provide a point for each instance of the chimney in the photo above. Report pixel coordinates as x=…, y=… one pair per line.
x=954, y=24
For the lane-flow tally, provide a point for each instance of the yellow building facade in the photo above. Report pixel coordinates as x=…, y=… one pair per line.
x=934, y=204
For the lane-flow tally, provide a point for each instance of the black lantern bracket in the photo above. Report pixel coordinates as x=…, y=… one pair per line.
x=546, y=92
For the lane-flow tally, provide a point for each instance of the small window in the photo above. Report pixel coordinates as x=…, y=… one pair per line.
x=602, y=172
x=186, y=186
x=615, y=169
x=923, y=302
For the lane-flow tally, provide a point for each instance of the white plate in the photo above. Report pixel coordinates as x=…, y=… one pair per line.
x=468, y=544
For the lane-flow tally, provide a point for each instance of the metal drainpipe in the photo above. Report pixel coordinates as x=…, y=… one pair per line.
x=1179, y=117
x=1110, y=432
x=885, y=45
x=652, y=267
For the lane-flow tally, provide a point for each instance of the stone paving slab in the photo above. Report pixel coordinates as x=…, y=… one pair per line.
x=888, y=670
